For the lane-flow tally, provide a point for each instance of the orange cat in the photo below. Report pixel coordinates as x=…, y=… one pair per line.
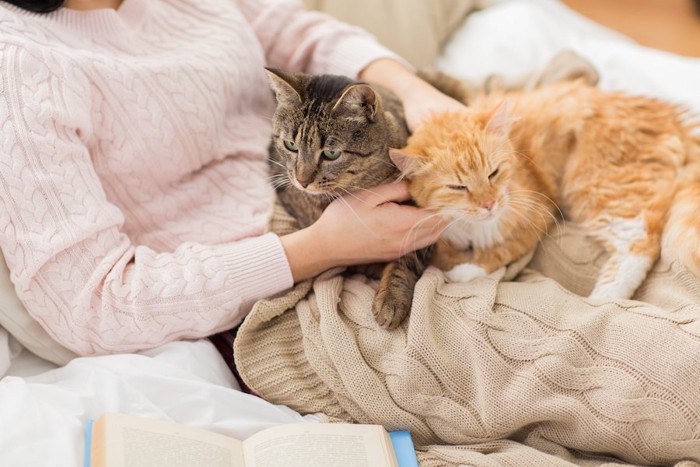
x=609, y=161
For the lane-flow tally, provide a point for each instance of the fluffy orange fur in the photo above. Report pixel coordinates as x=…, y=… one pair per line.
x=505, y=170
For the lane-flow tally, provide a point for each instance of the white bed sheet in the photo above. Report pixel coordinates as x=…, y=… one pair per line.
x=515, y=37
x=43, y=408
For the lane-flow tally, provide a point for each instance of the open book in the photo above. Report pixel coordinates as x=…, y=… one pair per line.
x=119, y=440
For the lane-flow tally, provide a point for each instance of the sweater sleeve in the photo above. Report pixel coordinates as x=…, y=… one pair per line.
x=73, y=267
x=295, y=39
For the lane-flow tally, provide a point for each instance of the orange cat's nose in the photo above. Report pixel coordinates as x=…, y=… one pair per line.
x=489, y=206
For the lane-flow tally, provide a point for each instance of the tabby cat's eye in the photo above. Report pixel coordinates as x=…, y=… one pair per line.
x=458, y=188
x=493, y=174
x=291, y=145
x=331, y=154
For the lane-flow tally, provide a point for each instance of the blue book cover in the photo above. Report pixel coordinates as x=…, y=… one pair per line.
x=87, y=449
x=403, y=447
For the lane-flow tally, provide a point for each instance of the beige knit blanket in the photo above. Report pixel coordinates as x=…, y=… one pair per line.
x=494, y=372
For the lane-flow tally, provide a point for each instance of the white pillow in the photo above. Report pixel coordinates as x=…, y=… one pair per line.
x=517, y=37
x=17, y=321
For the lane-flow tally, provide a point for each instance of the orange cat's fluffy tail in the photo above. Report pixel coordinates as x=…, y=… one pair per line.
x=681, y=238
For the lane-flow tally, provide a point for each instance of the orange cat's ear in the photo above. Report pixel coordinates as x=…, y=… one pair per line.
x=501, y=120
x=407, y=163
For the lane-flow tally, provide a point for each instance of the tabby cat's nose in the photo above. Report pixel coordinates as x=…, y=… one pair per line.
x=303, y=183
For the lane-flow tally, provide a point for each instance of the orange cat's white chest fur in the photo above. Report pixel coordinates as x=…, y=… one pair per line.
x=463, y=234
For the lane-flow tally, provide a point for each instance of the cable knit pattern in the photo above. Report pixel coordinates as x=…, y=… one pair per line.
x=133, y=181
x=495, y=372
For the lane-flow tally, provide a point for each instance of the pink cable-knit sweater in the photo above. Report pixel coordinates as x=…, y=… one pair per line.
x=133, y=181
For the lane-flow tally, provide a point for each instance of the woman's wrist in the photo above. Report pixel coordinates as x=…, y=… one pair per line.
x=307, y=254
x=394, y=76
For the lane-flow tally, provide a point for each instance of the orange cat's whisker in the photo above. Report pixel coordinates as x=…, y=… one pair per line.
x=454, y=221
x=539, y=210
x=531, y=192
x=524, y=202
x=415, y=227
x=525, y=195
x=530, y=223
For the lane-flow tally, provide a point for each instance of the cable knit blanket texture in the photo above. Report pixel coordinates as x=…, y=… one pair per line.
x=512, y=369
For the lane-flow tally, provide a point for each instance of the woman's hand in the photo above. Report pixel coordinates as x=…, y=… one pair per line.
x=419, y=98
x=365, y=227
x=369, y=226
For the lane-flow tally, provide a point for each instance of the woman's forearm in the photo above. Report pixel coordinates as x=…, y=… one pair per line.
x=394, y=76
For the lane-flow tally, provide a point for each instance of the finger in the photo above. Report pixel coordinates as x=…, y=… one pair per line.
x=416, y=242
x=388, y=192
x=413, y=214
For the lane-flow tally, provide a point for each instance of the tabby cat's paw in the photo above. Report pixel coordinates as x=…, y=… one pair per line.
x=464, y=273
x=390, y=309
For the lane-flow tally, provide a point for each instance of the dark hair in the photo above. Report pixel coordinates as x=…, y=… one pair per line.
x=40, y=6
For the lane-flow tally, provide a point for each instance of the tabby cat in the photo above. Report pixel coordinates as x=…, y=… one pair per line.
x=502, y=171
x=331, y=137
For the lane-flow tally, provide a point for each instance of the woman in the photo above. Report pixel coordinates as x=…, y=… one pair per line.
x=133, y=190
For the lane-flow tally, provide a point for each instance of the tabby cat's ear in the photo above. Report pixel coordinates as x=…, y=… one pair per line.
x=284, y=86
x=501, y=120
x=358, y=101
x=407, y=163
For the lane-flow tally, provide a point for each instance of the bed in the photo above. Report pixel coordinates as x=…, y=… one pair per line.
x=44, y=406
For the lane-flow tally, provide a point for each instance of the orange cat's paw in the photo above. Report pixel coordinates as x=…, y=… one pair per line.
x=464, y=273
x=391, y=308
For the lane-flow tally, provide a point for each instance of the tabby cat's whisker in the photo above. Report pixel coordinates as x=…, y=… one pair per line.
x=357, y=216
x=352, y=194
x=279, y=181
x=368, y=190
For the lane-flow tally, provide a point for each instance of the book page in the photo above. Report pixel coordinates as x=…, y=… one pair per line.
x=320, y=445
x=140, y=442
